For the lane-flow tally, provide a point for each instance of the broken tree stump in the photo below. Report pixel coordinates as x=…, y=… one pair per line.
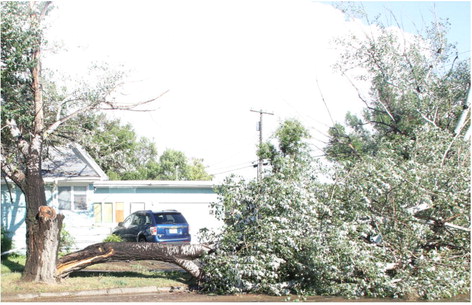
x=181, y=255
x=43, y=237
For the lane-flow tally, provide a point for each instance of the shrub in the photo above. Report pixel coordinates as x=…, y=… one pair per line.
x=113, y=239
x=7, y=242
x=67, y=241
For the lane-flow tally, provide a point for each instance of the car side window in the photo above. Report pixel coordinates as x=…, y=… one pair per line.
x=142, y=220
x=148, y=220
x=127, y=221
x=137, y=220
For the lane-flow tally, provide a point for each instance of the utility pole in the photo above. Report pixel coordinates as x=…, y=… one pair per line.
x=259, y=128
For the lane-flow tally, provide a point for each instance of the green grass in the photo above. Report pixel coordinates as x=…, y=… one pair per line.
x=132, y=274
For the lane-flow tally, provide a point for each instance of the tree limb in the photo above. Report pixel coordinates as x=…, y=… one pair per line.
x=181, y=255
x=15, y=131
x=111, y=106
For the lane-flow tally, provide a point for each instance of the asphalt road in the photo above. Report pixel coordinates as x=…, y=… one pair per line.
x=193, y=297
x=186, y=296
x=157, y=297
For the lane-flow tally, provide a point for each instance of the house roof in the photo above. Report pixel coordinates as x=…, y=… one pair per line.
x=71, y=162
x=154, y=184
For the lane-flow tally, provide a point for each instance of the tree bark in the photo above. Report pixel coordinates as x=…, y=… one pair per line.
x=181, y=255
x=43, y=235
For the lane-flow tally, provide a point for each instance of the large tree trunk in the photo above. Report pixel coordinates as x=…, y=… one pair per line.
x=42, y=226
x=181, y=255
x=42, y=237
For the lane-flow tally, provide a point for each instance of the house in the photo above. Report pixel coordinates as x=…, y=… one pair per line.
x=92, y=205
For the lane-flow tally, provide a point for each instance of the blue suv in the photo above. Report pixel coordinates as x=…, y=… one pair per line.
x=167, y=226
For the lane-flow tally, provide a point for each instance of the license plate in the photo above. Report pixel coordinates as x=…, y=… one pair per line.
x=173, y=231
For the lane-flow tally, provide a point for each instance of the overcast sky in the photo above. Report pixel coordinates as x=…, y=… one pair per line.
x=219, y=59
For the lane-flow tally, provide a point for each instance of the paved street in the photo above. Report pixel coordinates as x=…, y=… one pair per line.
x=191, y=297
x=186, y=296
x=157, y=297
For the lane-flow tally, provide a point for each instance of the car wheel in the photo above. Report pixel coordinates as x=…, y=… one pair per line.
x=142, y=239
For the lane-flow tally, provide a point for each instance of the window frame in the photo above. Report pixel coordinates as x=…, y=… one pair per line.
x=73, y=192
x=105, y=213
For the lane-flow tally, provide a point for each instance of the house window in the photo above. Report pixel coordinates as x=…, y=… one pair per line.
x=72, y=198
x=108, y=212
x=97, y=212
x=119, y=211
x=80, y=197
x=64, y=197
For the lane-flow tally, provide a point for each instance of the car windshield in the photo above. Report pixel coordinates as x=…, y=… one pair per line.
x=169, y=218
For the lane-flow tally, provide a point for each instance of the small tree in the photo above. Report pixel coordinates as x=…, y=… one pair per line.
x=174, y=165
x=116, y=147
x=268, y=224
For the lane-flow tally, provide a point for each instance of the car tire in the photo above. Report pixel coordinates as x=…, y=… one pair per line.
x=142, y=239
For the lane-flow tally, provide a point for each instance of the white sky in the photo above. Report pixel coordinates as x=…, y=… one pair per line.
x=219, y=59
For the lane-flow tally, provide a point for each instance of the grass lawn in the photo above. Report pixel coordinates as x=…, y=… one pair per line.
x=102, y=276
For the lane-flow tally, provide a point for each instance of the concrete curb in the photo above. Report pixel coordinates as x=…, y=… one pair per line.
x=109, y=291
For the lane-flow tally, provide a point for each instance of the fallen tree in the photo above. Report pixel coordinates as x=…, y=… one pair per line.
x=181, y=255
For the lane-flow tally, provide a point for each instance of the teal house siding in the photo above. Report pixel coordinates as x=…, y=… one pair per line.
x=115, y=200
x=148, y=190
x=93, y=206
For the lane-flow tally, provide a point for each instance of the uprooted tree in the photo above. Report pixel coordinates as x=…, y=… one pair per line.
x=393, y=220
x=32, y=111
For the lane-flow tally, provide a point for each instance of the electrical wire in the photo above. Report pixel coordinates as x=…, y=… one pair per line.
x=231, y=170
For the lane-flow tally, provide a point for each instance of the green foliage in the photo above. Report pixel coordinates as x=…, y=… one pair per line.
x=388, y=192
x=270, y=227
x=197, y=171
x=415, y=80
x=382, y=228
x=290, y=135
x=116, y=147
x=408, y=173
x=174, y=165
x=123, y=155
x=66, y=241
x=70, y=110
x=350, y=142
x=113, y=239
x=7, y=242
x=20, y=37
x=291, y=146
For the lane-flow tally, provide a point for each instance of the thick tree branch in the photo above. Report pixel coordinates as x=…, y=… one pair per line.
x=59, y=122
x=14, y=174
x=131, y=107
x=97, y=106
x=15, y=131
x=181, y=255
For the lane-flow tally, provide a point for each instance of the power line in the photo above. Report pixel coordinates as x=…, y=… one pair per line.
x=226, y=159
x=324, y=101
x=231, y=166
x=232, y=170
